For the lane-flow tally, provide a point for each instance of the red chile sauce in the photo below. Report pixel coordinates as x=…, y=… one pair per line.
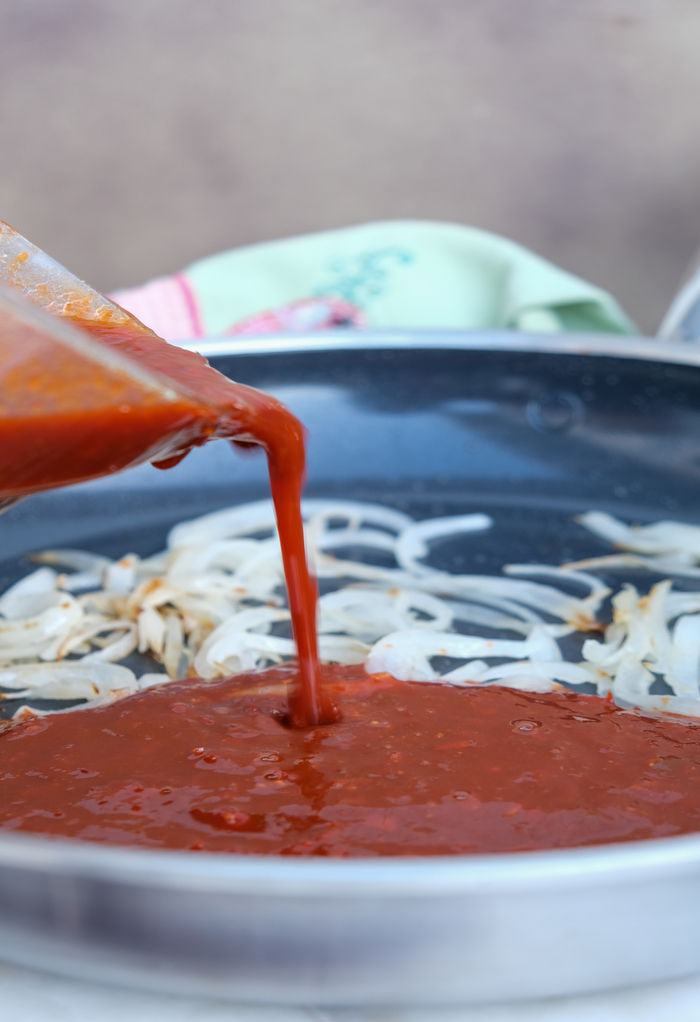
x=50, y=437
x=251, y=416
x=411, y=769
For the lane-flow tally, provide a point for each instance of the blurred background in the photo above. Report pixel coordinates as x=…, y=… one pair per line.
x=140, y=135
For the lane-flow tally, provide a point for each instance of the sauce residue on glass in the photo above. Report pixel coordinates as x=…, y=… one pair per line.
x=412, y=769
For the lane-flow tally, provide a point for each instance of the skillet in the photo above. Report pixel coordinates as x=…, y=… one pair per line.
x=530, y=429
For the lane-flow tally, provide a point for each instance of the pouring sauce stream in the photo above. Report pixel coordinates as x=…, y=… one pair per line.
x=45, y=441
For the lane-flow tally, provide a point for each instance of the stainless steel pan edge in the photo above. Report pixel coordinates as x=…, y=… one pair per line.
x=358, y=932
x=318, y=878
x=477, y=340
x=438, y=931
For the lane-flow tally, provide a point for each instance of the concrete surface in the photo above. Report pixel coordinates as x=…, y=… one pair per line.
x=138, y=135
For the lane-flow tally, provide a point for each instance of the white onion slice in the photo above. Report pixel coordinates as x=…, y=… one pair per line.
x=659, y=538
x=16, y=601
x=320, y=513
x=77, y=560
x=95, y=626
x=233, y=521
x=117, y=649
x=260, y=517
x=592, y=583
x=99, y=684
x=335, y=539
x=152, y=679
x=406, y=654
x=683, y=673
x=412, y=543
x=120, y=576
x=224, y=554
x=683, y=706
x=341, y=649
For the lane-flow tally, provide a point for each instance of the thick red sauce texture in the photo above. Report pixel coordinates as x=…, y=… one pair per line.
x=64, y=419
x=412, y=769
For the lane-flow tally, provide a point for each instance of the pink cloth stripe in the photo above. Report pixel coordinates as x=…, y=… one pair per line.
x=191, y=303
x=166, y=305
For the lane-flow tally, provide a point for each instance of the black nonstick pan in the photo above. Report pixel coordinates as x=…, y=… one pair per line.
x=530, y=429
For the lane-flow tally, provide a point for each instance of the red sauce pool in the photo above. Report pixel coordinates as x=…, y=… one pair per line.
x=412, y=769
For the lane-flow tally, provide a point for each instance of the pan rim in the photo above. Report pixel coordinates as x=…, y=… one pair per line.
x=611, y=864
x=584, y=344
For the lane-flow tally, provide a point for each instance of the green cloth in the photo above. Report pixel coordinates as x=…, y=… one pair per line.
x=405, y=274
x=394, y=274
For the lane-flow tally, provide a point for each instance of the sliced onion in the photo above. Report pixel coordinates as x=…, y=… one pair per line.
x=670, y=542
x=190, y=605
x=682, y=706
x=683, y=673
x=341, y=649
x=406, y=654
x=120, y=576
x=591, y=582
x=97, y=683
x=17, y=601
x=77, y=560
x=92, y=627
x=412, y=542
